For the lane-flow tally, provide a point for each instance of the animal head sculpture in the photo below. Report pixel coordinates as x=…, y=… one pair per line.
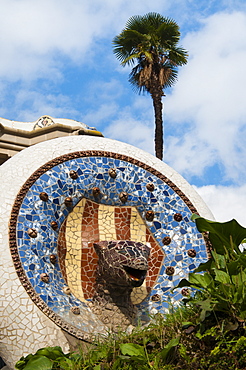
x=123, y=263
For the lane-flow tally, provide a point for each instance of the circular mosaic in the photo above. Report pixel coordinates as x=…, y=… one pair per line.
x=79, y=208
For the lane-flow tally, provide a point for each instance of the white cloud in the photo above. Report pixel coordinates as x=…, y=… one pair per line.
x=40, y=104
x=210, y=99
x=100, y=115
x=37, y=34
x=43, y=37
x=224, y=202
x=134, y=131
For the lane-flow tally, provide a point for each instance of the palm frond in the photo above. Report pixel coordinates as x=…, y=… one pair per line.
x=155, y=20
x=128, y=45
x=178, y=55
x=149, y=43
x=168, y=34
x=134, y=81
x=131, y=59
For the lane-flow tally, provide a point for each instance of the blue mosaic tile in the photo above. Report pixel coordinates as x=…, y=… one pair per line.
x=93, y=172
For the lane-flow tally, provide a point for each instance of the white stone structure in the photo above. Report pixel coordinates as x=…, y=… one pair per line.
x=16, y=136
x=24, y=328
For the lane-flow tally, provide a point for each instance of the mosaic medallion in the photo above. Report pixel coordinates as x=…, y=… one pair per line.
x=84, y=199
x=44, y=121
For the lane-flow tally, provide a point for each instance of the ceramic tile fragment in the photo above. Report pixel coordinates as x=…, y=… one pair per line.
x=77, y=231
x=146, y=216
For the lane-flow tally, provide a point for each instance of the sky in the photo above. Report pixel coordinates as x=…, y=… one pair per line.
x=56, y=59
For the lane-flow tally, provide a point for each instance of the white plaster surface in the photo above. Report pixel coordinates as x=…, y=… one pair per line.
x=28, y=126
x=23, y=327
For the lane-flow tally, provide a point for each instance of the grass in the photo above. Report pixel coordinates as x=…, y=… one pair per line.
x=178, y=341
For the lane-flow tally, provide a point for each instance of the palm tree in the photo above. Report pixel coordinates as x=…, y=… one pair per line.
x=149, y=44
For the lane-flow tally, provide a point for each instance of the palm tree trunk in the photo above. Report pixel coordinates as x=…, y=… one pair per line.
x=157, y=103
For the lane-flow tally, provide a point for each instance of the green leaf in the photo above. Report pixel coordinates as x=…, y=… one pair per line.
x=222, y=234
x=66, y=363
x=239, y=296
x=97, y=367
x=206, y=305
x=132, y=349
x=39, y=363
x=206, y=266
x=97, y=355
x=124, y=357
x=220, y=261
x=20, y=364
x=183, y=353
x=242, y=260
x=187, y=324
x=51, y=352
x=183, y=283
x=242, y=315
x=168, y=349
x=222, y=277
x=233, y=267
x=200, y=280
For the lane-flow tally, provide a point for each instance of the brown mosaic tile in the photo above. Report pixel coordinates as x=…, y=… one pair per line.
x=89, y=234
x=62, y=250
x=122, y=223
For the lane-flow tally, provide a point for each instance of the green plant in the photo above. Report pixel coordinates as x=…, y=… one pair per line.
x=135, y=355
x=150, y=44
x=207, y=331
x=164, y=344
x=48, y=358
x=221, y=281
x=229, y=355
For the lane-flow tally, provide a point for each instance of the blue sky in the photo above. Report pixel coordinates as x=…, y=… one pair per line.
x=56, y=59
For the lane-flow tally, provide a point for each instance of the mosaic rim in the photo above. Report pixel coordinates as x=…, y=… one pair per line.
x=14, y=218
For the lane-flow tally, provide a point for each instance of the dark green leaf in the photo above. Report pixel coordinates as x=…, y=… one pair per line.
x=98, y=355
x=167, y=350
x=222, y=234
x=233, y=267
x=39, y=363
x=51, y=352
x=206, y=266
x=66, y=363
x=242, y=260
x=183, y=283
x=20, y=364
x=186, y=324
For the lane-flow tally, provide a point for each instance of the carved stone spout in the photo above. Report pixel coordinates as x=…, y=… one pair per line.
x=122, y=265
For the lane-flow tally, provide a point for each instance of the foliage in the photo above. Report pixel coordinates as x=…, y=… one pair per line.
x=221, y=281
x=167, y=343
x=48, y=358
x=207, y=331
x=149, y=44
x=227, y=355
